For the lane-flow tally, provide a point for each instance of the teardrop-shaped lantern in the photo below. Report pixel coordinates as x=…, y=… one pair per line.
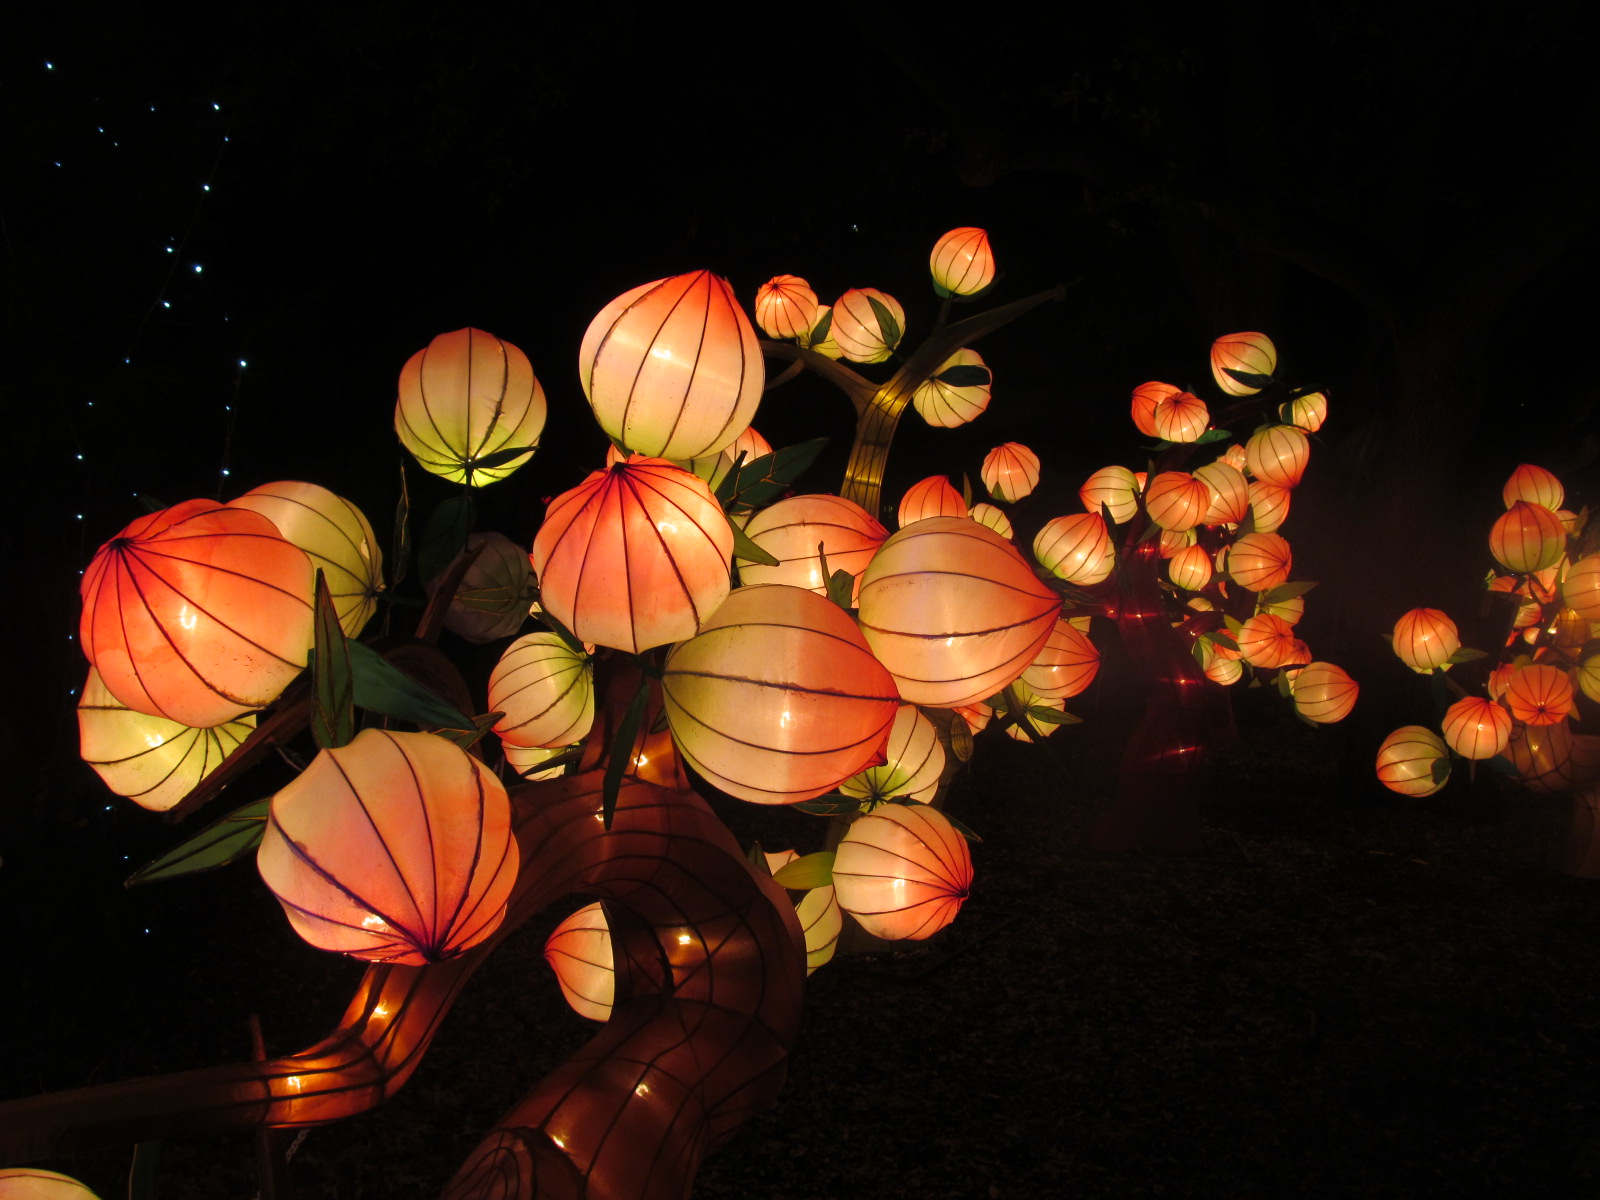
x=913, y=762
x=1425, y=639
x=1145, y=398
x=152, y=761
x=1176, y=500
x=1278, y=454
x=791, y=531
x=1407, y=758
x=1269, y=505
x=394, y=848
x=1478, y=728
x=1306, y=412
x=902, y=871
x=579, y=951
x=961, y=262
x=786, y=307
x=335, y=535
x=1180, y=417
x=466, y=397
x=1323, y=693
x=546, y=691
x=1581, y=588
x=931, y=497
x=778, y=698
x=635, y=556
x=953, y=611
x=198, y=613
x=672, y=368
x=1540, y=694
x=495, y=593
x=1535, y=485
x=1190, y=568
x=1066, y=665
x=956, y=393
x=1260, y=561
x=1076, y=548
x=1527, y=538
x=1230, y=493
x=1113, y=487
x=1269, y=642
x=868, y=324
x=1010, y=472
x=1251, y=354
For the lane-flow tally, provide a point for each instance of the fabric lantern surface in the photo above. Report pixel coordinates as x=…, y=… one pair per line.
x=467, y=396
x=673, y=369
x=1230, y=493
x=1190, y=568
x=956, y=393
x=1278, y=455
x=335, y=535
x=1269, y=642
x=198, y=613
x=1143, y=409
x=1175, y=542
x=1476, y=728
x=1259, y=562
x=793, y=528
x=930, y=497
x=1010, y=472
x=961, y=262
x=953, y=611
x=1306, y=412
x=1551, y=758
x=913, y=762
x=152, y=761
x=1539, y=694
x=1581, y=588
x=1407, y=761
x=1076, y=548
x=635, y=556
x=1425, y=639
x=902, y=871
x=1247, y=353
x=1224, y=671
x=994, y=518
x=786, y=307
x=35, y=1183
x=1527, y=538
x=1176, y=500
x=580, y=952
x=1535, y=485
x=1114, y=488
x=1323, y=693
x=1065, y=666
x=495, y=593
x=1269, y=505
x=532, y=762
x=1180, y=417
x=821, y=919
x=868, y=324
x=546, y=691
x=394, y=848
x=778, y=698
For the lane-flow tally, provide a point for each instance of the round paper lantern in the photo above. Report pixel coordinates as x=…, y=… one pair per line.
x=1323, y=693
x=821, y=920
x=1278, y=454
x=1226, y=671
x=1180, y=417
x=902, y=871
x=1176, y=500
x=1406, y=761
x=993, y=518
x=152, y=761
x=635, y=556
x=1190, y=568
x=545, y=690
x=395, y=848
x=1174, y=542
x=793, y=528
x=1076, y=548
x=1551, y=758
x=34, y=1183
x=1230, y=493
x=672, y=368
x=1260, y=561
x=198, y=613
x=953, y=611
x=786, y=307
x=1540, y=694
x=1145, y=398
x=1267, y=642
x=1269, y=505
x=1066, y=665
x=1527, y=538
x=1308, y=412
x=823, y=345
x=1114, y=488
x=861, y=334
x=467, y=396
x=1010, y=472
x=944, y=403
x=495, y=593
x=913, y=762
x=335, y=535
x=962, y=263
x=931, y=497
x=778, y=698
x=1250, y=353
x=1425, y=639
x=579, y=951
x=1536, y=486
x=1476, y=728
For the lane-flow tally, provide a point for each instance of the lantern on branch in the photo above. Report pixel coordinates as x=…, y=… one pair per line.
x=465, y=397
x=1425, y=639
x=956, y=393
x=1190, y=568
x=868, y=324
x=1010, y=472
x=962, y=263
x=1176, y=500
x=495, y=593
x=1268, y=642
x=792, y=530
x=1076, y=548
x=1477, y=728
x=1323, y=693
x=1067, y=664
x=1536, y=486
x=580, y=953
x=335, y=535
x=1230, y=493
x=1180, y=417
x=1114, y=488
x=1249, y=354
x=902, y=871
x=913, y=762
x=545, y=689
x=1145, y=398
x=1308, y=412
x=1539, y=694
x=1527, y=538
x=635, y=556
x=1259, y=562
x=672, y=368
x=1278, y=455
x=1413, y=761
x=786, y=307
x=1269, y=505
x=931, y=497
x=394, y=848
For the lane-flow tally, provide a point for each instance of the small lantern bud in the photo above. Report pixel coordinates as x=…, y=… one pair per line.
x=962, y=263
x=1190, y=568
x=1260, y=561
x=1251, y=355
x=1145, y=398
x=1308, y=412
x=1425, y=639
x=1278, y=454
x=1076, y=548
x=1115, y=488
x=931, y=497
x=1176, y=500
x=956, y=393
x=786, y=307
x=1323, y=693
x=1010, y=472
x=468, y=395
x=1181, y=417
x=903, y=871
x=1478, y=728
x=868, y=324
x=1527, y=538
x=1535, y=485
x=1230, y=493
x=1540, y=694
x=1408, y=761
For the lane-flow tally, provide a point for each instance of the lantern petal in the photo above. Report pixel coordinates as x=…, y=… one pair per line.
x=580, y=952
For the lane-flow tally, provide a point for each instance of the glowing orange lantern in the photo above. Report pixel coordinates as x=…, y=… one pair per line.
x=1527, y=538
x=395, y=848
x=1308, y=412
x=198, y=613
x=495, y=593
x=862, y=334
x=1176, y=500
x=1230, y=493
x=672, y=368
x=1076, y=548
x=946, y=404
x=1267, y=641
x=1540, y=694
x=545, y=690
x=579, y=951
x=1477, y=728
x=1225, y=671
x=1180, y=417
x=793, y=528
x=931, y=497
x=1425, y=639
x=635, y=556
x=1323, y=693
x=1190, y=568
x=1535, y=485
x=913, y=762
x=1278, y=454
x=953, y=611
x=1114, y=488
x=1176, y=542
x=778, y=698
x=786, y=307
x=962, y=263
x=1260, y=561
x=1145, y=398
x=467, y=396
x=35, y=1183
x=1250, y=353
x=1010, y=472
x=1407, y=758
x=1269, y=505
x=902, y=871
x=1551, y=758
x=1066, y=666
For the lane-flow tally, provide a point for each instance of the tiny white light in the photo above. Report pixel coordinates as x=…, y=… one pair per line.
x=205, y=187
x=242, y=363
x=166, y=304
x=49, y=66
x=216, y=108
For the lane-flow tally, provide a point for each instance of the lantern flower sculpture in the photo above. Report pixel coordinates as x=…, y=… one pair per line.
x=1010, y=472
x=931, y=497
x=902, y=871
x=868, y=325
x=1243, y=363
x=394, y=848
x=962, y=263
x=800, y=531
x=466, y=402
x=786, y=307
x=672, y=369
x=956, y=393
x=579, y=952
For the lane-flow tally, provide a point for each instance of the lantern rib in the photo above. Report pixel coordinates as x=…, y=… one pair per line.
x=638, y=370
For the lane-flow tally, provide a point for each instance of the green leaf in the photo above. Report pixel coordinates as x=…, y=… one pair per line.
x=962, y=828
x=622, y=753
x=757, y=858
x=723, y=492
x=382, y=687
x=966, y=490
x=469, y=736
x=1287, y=591
x=746, y=550
x=499, y=458
x=763, y=480
x=142, y=1172
x=400, y=550
x=218, y=844
x=1285, y=688
x=834, y=804
x=333, y=712
x=1440, y=770
x=842, y=589
x=1212, y=435
x=1234, y=625
x=806, y=872
x=1248, y=379
x=965, y=375
x=888, y=326
x=1465, y=654
x=1052, y=716
x=445, y=535
x=1227, y=640
x=821, y=330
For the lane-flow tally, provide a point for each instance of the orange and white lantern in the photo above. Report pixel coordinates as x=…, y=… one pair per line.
x=1278, y=454
x=786, y=307
x=913, y=762
x=961, y=262
x=1114, y=488
x=1145, y=398
x=545, y=690
x=1540, y=694
x=859, y=326
x=1306, y=412
x=1190, y=568
x=1076, y=548
x=579, y=951
x=1269, y=505
x=1268, y=642
x=1535, y=485
x=902, y=871
x=1180, y=417
x=1323, y=693
x=1477, y=728
x=1010, y=472
x=792, y=530
x=1260, y=561
x=1248, y=353
x=947, y=403
x=934, y=496
x=1527, y=538
x=1066, y=666
x=1230, y=493
x=335, y=535
x=1425, y=639
x=1176, y=500
x=1407, y=758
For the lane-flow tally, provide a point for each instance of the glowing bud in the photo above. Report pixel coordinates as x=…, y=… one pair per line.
x=1527, y=537
x=1010, y=472
x=868, y=324
x=962, y=263
x=786, y=307
x=1425, y=639
x=1249, y=354
x=1413, y=761
x=1478, y=728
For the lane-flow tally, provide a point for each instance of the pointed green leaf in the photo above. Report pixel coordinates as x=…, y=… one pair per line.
x=842, y=589
x=400, y=550
x=1465, y=654
x=888, y=326
x=224, y=840
x=965, y=375
x=1234, y=625
x=1287, y=591
x=757, y=859
x=763, y=480
x=382, y=687
x=621, y=757
x=966, y=490
x=1227, y=640
x=746, y=550
x=1248, y=379
x=333, y=712
x=832, y=805
x=806, y=872
x=445, y=535
x=468, y=736
x=499, y=458
x=1212, y=435
x=1052, y=716
x=821, y=330
x=1440, y=770
x=568, y=639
